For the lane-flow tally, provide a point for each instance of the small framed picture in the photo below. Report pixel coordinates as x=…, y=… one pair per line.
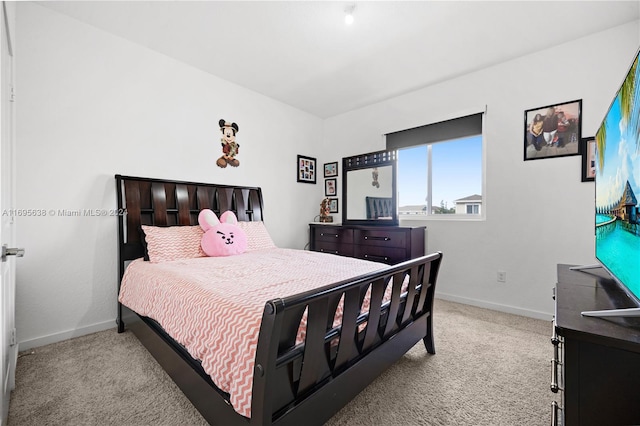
x=552, y=131
x=306, y=169
x=330, y=187
x=331, y=169
x=588, y=151
x=333, y=205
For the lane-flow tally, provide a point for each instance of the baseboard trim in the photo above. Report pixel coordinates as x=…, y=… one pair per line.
x=495, y=306
x=66, y=335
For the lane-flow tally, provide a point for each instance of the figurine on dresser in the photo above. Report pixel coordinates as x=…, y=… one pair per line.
x=325, y=209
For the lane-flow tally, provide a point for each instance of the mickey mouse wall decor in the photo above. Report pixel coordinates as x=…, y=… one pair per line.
x=230, y=148
x=374, y=175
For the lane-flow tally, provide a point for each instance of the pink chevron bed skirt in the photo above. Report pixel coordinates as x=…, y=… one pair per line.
x=213, y=305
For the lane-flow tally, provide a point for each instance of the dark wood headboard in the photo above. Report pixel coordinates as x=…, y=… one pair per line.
x=379, y=207
x=159, y=202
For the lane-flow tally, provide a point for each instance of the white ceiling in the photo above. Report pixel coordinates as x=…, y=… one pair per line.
x=303, y=54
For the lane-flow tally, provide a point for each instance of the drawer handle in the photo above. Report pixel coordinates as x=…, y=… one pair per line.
x=322, y=234
x=555, y=339
x=383, y=258
x=554, y=376
x=554, y=413
x=555, y=362
x=329, y=251
x=366, y=237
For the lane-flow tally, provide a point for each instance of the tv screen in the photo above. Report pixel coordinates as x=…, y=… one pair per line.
x=617, y=186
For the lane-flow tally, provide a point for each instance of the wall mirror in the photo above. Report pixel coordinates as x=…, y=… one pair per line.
x=369, y=189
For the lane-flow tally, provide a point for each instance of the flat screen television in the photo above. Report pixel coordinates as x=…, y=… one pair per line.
x=617, y=191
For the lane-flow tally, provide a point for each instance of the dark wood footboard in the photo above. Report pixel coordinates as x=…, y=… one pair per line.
x=337, y=361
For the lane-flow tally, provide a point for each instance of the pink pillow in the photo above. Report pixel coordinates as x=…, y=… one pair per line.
x=166, y=243
x=222, y=237
x=257, y=236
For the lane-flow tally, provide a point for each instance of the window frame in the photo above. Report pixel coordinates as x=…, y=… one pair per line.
x=470, y=206
x=454, y=217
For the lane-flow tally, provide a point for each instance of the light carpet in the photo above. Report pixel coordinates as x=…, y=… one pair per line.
x=490, y=368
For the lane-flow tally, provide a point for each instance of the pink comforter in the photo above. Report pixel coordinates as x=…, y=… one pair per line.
x=213, y=306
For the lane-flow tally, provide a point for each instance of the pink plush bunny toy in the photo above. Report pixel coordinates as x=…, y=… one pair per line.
x=221, y=237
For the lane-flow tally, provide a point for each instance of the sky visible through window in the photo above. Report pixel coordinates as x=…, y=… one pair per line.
x=457, y=172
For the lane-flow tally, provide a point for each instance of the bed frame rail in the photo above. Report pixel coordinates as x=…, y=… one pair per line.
x=313, y=374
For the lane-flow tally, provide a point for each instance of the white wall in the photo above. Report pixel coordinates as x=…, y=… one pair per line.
x=91, y=105
x=538, y=213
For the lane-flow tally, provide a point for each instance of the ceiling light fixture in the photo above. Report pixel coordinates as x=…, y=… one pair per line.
x=348, y=17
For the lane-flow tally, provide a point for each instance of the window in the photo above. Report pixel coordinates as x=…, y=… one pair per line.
x=442, y=176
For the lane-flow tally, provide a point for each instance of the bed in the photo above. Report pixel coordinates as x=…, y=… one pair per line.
x=313, y=350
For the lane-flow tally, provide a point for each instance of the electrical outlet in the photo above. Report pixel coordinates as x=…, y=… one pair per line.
x=502, y=277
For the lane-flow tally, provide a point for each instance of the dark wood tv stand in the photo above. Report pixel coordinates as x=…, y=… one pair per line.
x=596, y=366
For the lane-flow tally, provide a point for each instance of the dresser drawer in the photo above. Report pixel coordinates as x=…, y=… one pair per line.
x=388, y=244
x=330, y=234
x=381, y=238
x=557, y=377
x=380, y=254
x=334, y=248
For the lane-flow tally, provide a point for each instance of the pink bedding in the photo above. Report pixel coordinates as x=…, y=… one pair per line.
x=213, y=306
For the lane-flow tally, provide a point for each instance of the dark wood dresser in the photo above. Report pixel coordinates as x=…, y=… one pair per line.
x=388, y=244
x=596, y=363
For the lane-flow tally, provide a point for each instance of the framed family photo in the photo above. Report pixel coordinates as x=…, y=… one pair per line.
x=306, y=169
x=330, y=187
x=333, y=205
x=553, y=130
x=588, y=150
x=331, y=169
